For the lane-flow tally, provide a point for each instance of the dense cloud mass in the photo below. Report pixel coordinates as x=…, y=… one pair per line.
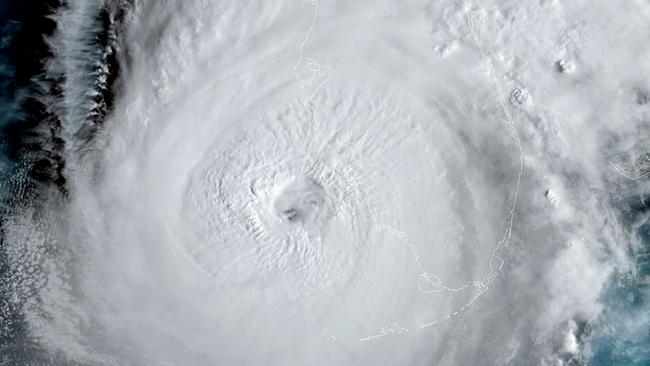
x=330, y=182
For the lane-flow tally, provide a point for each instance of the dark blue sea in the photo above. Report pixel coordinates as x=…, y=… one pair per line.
x=623, y=335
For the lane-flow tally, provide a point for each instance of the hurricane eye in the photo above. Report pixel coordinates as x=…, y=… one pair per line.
x=290, y=215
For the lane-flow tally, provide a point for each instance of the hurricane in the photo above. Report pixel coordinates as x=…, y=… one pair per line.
x=324, y=182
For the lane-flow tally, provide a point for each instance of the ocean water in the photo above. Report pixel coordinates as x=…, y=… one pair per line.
x=24, y=27
x=23, y=51
x=8, y=97
x=622, y=336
